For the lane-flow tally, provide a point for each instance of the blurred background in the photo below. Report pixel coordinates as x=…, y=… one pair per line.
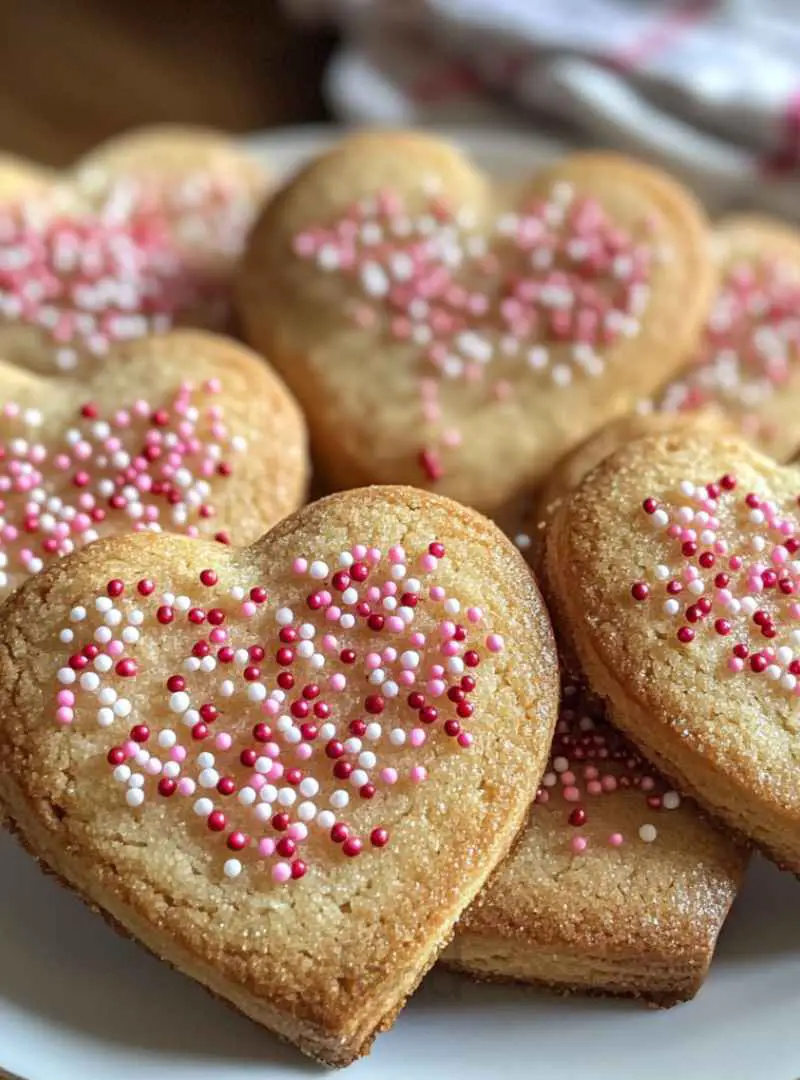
x=73, y=72
x=708, y=88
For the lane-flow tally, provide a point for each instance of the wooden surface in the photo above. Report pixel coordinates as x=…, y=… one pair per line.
x=73, y=72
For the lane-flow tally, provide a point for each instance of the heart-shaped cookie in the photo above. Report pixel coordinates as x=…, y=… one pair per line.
x=617, y=886
x=442, y=331
x=139, y=236
x=187, y=432
x=748, y=361
x=675, y=573
x=288, y=768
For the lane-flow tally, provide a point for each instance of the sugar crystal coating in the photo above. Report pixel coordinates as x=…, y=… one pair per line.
x=750, y=346
x=726, y=568
x=140, y=466
x=252, y=730
x=591, y=761
x=548, y=288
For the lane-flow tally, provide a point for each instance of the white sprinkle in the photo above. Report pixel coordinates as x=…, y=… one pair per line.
x=232, y=868
x=134, y=797
x=203, y=807
x=648, y=833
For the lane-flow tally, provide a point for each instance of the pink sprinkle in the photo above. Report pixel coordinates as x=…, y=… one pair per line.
x=436, y=687
x=270, y=707
x=115, y=648
x=648, y=783
x=359, y=552
x=416, y=737
x=579, y=844
x=571, y=793
x=281, y=872
x=395, y=625
x=337, y=681
x=300, y=566
x=65, y=697
x=594, y=787
x=131, y=748
x=186, y=786
x=223, y=741
x=609, y=783
x=494, y=643
x=465, y=740
x=396, y=554
x=153, y=766
x=474, y=614
x=249, y=609
x=178, y=753
x=735, y=664
x=615, y=840
x=417, y=639
x=437, y=593
x=428, y=562
x=266, y=846
x=218, y=635
x=297, y=830
x=65, y=715
x=418, y=774
x=373, y=660
x=304, y=751
x=389, y=776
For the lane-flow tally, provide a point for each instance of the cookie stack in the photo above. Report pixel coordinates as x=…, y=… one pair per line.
x=303, y=752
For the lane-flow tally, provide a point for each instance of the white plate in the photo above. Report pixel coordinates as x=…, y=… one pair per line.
x=77, y=1002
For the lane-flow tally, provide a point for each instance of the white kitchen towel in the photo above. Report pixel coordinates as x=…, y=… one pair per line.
x=708, y=88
